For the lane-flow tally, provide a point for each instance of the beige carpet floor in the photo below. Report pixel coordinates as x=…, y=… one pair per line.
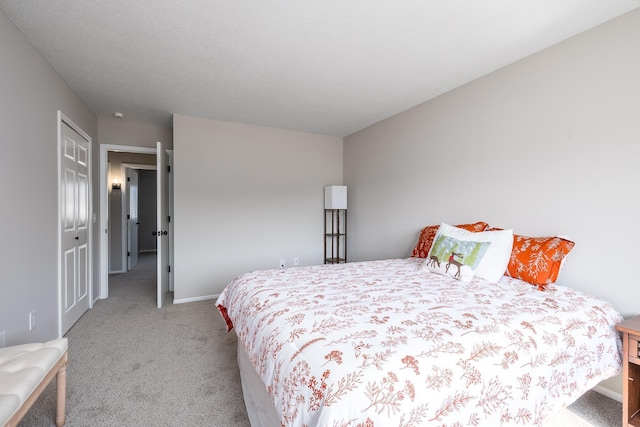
x=132, y=364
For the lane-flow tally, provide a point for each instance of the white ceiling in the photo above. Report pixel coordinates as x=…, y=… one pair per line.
x=323, y=66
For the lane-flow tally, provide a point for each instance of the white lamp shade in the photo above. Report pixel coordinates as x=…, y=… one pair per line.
x=335, y=197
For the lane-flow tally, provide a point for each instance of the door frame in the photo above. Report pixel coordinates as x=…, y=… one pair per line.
x=104, y=209
x=63, y=119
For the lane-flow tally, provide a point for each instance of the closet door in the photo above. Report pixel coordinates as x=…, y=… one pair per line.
x=74, y=226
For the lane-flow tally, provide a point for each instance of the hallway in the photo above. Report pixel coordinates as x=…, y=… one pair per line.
x=139, y=283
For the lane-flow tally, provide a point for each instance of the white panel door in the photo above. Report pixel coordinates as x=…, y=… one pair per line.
x=133, y=219
x=74, y=226
x=162, y=226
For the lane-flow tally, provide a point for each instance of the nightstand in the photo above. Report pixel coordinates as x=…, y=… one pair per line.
x=630, y=329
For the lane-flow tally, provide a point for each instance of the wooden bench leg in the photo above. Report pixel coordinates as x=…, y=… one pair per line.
x=61, y=393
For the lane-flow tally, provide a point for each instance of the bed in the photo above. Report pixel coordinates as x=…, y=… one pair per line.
x=390, y=343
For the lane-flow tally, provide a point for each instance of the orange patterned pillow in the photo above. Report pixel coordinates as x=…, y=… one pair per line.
x=537, y=260
x=429, y=233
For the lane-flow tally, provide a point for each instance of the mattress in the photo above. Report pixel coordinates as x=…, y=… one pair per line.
x=259, y=406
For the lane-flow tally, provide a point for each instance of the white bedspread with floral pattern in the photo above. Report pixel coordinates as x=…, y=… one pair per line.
x=385, y=343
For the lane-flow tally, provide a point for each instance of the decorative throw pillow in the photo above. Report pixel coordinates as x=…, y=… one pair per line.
x=455, y=258
x=537, y=260
x=429, y=232
x=494, y=263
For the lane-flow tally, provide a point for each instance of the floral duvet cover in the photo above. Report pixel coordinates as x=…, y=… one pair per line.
x=385, y=343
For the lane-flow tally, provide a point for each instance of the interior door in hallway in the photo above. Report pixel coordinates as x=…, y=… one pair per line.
x=162, y=226
x=75, y=255
x=133, y=219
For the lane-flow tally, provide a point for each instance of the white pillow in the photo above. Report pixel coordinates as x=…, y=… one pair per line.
x=495, y=260
x=454, y=257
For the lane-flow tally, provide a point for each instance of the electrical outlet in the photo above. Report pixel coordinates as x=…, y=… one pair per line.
x=296, y=261
x=3, y=342
x=282, y=263
x=32, y=320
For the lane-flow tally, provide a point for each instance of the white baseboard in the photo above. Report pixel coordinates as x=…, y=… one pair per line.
x=194, y=299
x=144, y=251
x=608, y=393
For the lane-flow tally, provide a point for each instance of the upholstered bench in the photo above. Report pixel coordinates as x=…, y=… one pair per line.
x=25, y=371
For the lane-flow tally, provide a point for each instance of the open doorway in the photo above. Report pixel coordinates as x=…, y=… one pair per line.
x=140, y=211
x=124, y=170
x=125, y=236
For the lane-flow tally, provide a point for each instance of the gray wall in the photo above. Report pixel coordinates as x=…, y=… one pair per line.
x=548, y=145
x=32, y=93
x=246, y=196
x=115, y=131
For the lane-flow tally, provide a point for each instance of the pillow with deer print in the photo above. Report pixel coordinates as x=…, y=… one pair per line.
x=494, y=263
x=427, y=234
x=453, y=257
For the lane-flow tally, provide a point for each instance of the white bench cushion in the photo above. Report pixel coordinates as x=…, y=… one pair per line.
x=22, y=368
